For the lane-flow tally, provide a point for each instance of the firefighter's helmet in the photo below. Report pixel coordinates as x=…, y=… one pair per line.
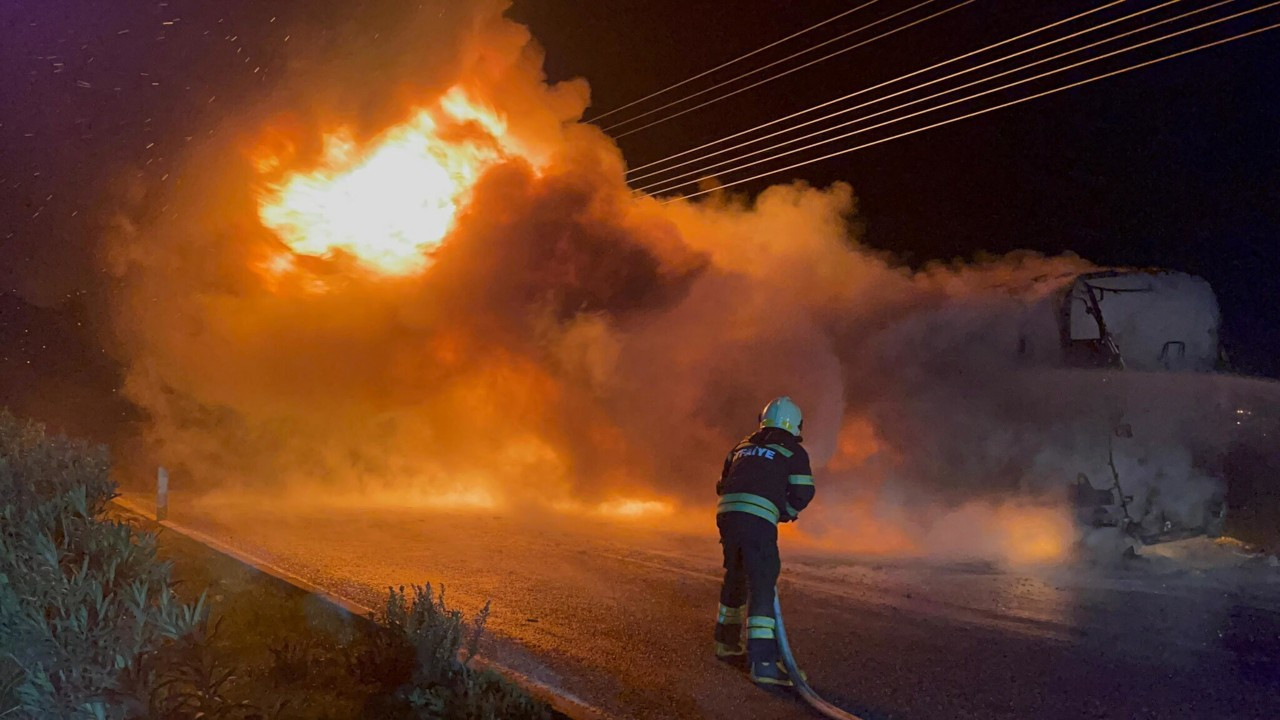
x=782, y=413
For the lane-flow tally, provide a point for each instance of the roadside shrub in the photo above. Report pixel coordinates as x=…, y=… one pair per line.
x=437, y=646
x=191, y=681
x=490, y=696
x=84, y=604
x=10, y=676
x=91, y=626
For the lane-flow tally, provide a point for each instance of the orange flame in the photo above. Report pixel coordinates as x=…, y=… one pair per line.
x=389, y=203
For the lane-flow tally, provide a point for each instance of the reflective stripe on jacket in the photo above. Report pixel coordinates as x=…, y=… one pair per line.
x=766, y=475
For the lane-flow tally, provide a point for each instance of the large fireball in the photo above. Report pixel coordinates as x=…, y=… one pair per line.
x=390, y=203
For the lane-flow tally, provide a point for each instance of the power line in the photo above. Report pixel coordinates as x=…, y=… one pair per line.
x=935, y=66
x=781, y=74
x=740, y=58
x=1000, y=88
x=948, y=91
x=1006, y=86
x=1001, y=106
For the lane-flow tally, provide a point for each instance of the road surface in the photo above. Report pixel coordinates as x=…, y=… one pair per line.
x=620, y=617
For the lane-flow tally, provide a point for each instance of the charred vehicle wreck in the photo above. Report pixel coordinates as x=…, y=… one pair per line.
x=1146, y=343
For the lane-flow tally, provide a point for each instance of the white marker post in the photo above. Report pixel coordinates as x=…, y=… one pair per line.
x=162, y=493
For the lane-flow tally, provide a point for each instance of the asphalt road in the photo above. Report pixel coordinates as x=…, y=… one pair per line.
x=620, y=617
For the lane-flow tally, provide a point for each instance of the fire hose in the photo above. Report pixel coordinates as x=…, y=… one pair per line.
x=801, y=683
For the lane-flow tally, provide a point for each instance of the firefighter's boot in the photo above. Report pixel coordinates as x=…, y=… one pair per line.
x=729, y=633
x=770, y=673
x=725, y=651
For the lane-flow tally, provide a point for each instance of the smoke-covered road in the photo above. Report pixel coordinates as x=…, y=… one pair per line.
x=620, y=617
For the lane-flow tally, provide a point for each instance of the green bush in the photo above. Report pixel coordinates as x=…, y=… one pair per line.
x=91, y=625
x=432, y=648
x=85, y=607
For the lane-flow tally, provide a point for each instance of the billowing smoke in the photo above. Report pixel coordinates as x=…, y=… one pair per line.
x=573, y=345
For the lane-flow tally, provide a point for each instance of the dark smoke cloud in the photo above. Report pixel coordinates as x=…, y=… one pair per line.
x=576, y=344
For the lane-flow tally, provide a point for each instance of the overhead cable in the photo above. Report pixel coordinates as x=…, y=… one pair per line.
x=1018, y=101
x=704, y=169
x=997, y=89
x=782, y=74
x=882, y=98
x=875, y=87
x=738, y=59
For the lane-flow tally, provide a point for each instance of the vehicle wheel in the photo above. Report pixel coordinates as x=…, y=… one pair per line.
x=1105, y=546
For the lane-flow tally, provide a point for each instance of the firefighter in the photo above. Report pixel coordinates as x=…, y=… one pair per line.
x=766, y=480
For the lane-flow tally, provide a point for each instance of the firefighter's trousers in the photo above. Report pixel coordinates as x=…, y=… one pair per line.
x=751, y=567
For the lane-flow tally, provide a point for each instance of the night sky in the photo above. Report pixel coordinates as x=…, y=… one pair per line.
x=98, y=102
x=1174, y=166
